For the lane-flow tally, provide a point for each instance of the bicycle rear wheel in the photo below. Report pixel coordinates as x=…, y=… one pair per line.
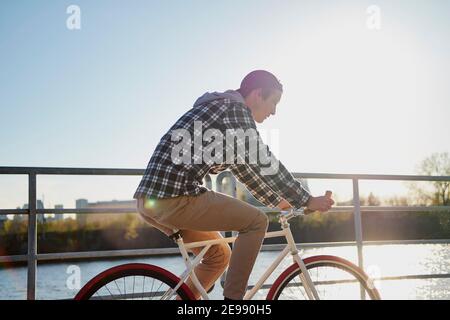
x=333, y=277
x=134, y=281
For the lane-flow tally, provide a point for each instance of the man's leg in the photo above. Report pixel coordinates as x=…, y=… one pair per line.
x=147, y=215
x=214, y=262
x=212, y=211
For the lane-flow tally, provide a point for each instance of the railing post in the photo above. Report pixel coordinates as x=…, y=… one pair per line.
x=358, y=229
x=208, y=181
x=32, y=238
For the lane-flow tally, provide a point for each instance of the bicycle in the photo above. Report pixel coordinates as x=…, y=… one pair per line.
x=334, y=277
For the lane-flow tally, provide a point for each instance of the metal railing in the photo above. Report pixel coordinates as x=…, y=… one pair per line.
x=32, y=256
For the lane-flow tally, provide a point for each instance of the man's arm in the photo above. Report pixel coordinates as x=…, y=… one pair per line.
x=257, y=187
x=281, y=180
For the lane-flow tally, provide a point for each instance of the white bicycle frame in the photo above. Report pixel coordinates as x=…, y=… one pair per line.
x=291, y=248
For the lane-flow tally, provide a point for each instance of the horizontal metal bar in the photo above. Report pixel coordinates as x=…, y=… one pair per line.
x=401, y=208
x=333, y=282
x=13, y=211
x=68, y=211
x=415, y=276
x=267, y=210
x=395, y=242
x=164, y=251
x=16, y=258
x=340, y=209
x=88, y=210
x=299, y=175
x=70, y=171
x=113, y=171
x=106, y=254
x=279, y=247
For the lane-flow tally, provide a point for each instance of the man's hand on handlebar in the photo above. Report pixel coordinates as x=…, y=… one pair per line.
x=321, y=204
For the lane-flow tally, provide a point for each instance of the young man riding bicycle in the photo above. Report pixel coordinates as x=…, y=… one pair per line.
x=171, y=196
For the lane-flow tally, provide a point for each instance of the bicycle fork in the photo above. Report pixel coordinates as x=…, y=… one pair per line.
x=305, y=278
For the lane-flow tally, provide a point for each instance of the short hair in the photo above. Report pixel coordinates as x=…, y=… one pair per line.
x=260, y=79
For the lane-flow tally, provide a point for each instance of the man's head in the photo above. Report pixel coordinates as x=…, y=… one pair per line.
x=261, y=91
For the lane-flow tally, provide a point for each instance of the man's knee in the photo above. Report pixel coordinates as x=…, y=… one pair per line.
x=226, y=254
x=260, y=223
x=218, y=255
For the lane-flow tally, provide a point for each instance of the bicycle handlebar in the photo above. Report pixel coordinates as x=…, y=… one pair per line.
x=302, y=211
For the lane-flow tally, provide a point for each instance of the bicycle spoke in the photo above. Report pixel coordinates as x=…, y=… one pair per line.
x=301, y=288
x=134, y=280
x=158, y=289
x=151, y=290
x=143, y=287
x=106, y=286
x=117, y=284
x=98, y=295
x=330, y=281
x=120, y=293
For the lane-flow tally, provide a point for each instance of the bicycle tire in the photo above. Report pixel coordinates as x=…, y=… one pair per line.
x=281, y=283
x=133, y=270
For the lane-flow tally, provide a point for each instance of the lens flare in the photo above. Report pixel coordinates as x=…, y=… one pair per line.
x=149, y=204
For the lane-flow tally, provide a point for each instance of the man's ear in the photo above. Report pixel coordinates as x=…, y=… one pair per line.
x=258, y=93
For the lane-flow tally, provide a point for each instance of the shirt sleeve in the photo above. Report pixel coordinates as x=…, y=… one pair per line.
x=255, y=185
x=275, y=179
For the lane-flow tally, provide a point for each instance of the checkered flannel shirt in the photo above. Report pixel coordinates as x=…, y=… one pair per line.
x=165, y=179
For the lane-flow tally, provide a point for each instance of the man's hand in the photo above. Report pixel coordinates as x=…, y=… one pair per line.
x=321, y=204
x=284, y=205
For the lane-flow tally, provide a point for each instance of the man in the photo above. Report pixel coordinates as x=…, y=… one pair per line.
x=171, y=196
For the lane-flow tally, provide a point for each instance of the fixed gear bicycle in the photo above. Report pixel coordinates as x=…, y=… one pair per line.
x=316, y=277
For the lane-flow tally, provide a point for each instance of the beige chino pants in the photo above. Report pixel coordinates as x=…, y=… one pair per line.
x=201, y=218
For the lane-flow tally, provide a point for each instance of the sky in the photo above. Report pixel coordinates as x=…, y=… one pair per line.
x=356, y=99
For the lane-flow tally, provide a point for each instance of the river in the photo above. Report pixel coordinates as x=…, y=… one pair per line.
x=380, y=261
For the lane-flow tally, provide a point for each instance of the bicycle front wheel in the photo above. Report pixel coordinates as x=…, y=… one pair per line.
x=134, y=281
x=333, y=277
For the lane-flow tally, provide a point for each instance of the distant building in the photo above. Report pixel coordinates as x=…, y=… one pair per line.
x=83, y=218
x=3, y=218
x=59, y=217
x=113, y=204
x=19, y=217
x=81, y=203
x=39, y=217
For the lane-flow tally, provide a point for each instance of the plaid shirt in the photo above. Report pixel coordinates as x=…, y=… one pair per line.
x=165, y=179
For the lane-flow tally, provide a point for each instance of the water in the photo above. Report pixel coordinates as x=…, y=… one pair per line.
x=54, y=280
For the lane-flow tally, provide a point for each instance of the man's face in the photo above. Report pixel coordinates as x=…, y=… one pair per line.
x=264, y=108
